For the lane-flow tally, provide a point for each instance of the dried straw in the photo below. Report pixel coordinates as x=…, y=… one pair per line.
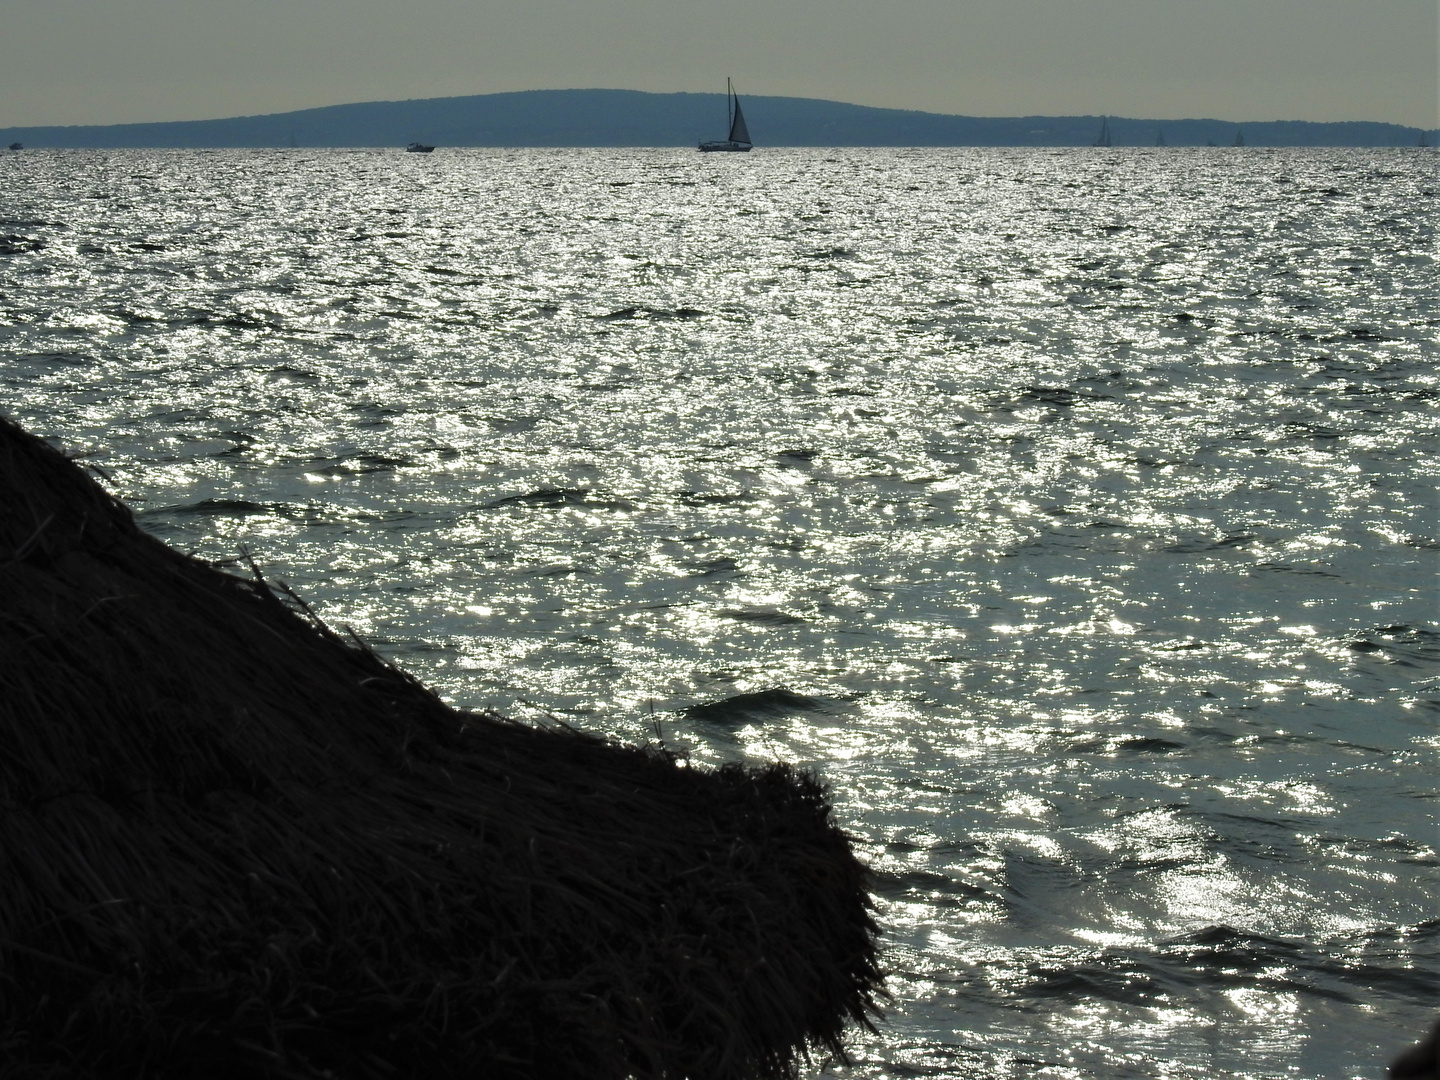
x=234, y=844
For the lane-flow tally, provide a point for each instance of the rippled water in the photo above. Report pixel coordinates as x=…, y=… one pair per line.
x=1072, y=512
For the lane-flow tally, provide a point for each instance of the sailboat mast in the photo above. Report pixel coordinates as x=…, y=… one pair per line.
x=729, y=108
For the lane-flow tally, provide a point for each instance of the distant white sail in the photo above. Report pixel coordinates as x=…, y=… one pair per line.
x=738, y=131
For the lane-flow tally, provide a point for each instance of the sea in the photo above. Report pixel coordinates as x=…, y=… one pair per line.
x=1071, y=512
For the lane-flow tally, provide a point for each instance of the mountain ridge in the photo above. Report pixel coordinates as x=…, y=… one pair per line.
x=614, y=118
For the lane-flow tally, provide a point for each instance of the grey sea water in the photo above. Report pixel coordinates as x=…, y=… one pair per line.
x=1072, y=513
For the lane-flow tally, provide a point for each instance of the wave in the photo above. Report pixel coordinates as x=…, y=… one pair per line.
x=763, y=705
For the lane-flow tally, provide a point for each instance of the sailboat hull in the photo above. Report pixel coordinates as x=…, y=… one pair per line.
x=724, y=146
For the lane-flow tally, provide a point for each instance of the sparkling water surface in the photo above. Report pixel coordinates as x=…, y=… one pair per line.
x=1071, y=512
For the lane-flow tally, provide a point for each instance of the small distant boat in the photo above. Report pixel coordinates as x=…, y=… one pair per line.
x=739, y=140
x=418, y=148
x=1239, y=136
x=1160, y=138
x=16, y=146
x=1424, y=140
x=1103, y=139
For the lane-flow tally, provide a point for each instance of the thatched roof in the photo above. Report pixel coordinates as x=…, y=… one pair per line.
x=234, y=844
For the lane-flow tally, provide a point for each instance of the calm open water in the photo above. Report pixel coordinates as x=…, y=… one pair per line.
x=1071, y=511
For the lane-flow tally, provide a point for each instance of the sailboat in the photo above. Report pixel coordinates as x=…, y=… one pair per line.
x=1103, y=139
x=739, y=139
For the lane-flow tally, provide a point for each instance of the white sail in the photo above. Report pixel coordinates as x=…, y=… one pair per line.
x=738, y=131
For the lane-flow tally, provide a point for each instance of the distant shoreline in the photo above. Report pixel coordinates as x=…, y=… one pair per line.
x=631, y=118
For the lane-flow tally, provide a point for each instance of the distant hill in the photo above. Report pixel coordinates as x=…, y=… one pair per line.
x=632, y=118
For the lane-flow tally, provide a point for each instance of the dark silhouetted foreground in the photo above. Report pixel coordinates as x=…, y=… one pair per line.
x=233, y=844
x=1421, y=1061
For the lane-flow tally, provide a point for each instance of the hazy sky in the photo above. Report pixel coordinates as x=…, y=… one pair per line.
x=110, y=61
